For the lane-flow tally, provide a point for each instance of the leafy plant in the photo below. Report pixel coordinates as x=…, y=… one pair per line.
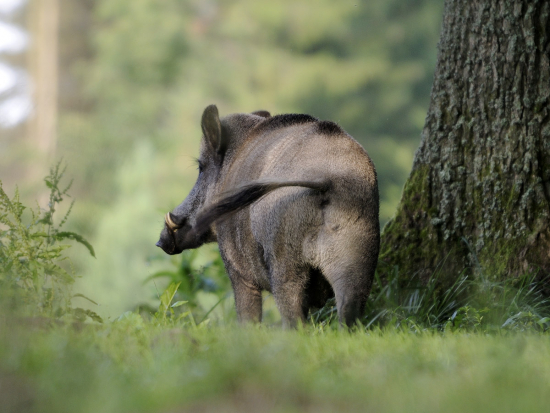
x=466, y=318
x=192, y=279
x=166, y=308
x=34, y=272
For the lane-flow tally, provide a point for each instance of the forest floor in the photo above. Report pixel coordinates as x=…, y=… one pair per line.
x=135, y=365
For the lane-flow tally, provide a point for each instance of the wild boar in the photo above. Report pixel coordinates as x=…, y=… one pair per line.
x=293, y=204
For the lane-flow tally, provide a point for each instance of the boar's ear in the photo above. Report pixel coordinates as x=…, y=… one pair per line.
x=212, y=129
x=262, y=113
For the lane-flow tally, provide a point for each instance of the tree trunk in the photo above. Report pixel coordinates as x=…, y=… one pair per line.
x=45, y=74
x=478, y=194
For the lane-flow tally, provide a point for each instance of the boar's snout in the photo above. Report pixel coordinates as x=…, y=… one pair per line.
x=167, y=239
x=177, y=235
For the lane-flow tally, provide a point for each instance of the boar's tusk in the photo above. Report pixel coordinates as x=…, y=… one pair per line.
x=170, y=223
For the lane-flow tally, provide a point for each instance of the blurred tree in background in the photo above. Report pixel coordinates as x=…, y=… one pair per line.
x=157, y=64
x=136, y=75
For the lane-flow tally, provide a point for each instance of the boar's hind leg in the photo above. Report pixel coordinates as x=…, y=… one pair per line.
x=348, y=255
x=351, y=285
x=248, y=301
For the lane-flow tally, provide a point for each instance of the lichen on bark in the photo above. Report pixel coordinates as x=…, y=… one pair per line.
x=479, y=190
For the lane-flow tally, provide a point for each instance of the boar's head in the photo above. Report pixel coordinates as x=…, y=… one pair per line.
x=179, y=232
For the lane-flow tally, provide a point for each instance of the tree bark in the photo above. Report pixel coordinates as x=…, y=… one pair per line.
x=478, y=194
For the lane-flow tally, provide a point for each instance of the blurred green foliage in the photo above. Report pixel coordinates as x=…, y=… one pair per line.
x=366, y=65
x=156, y=65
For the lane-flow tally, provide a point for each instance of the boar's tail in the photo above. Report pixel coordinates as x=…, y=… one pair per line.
x=245, y=195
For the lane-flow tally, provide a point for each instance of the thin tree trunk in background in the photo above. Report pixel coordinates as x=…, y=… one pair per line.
x=478, y=194
x=44, y=61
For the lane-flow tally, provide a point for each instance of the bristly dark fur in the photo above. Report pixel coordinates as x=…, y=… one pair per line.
x=326, y=127
x=245, y=196
x=283, y=121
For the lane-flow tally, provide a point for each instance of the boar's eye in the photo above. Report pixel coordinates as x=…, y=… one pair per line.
x=200, y=166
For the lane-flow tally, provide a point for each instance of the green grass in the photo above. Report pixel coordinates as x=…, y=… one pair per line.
x=479, y=345
x=134, y=366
